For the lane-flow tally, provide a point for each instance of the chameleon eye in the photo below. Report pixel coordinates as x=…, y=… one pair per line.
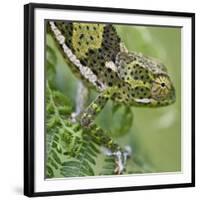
x=161, y=87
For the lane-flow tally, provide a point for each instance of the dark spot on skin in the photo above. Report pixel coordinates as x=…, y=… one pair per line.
x=91, y=51
x=81, y=36
x=141, y=89
x=127, y=100
x=136, y=78
x=111, y=76
x=83, y=62
x=113, y=58
x=100, y=101
x=91, y=38
x=106, y=48
x=109, y=70
x=142, y=77
x=100, y=98
x=110, y=84
x=132, y=73
x=98, y=84
x=94, y=71
x=94, y=28
x=70, y=33
x=133, y=95
x=87, y=43
x=87, y=27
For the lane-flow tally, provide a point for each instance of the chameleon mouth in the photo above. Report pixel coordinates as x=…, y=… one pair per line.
x=144, y=100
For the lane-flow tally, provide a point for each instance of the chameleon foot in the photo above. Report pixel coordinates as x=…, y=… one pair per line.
x=120, y=159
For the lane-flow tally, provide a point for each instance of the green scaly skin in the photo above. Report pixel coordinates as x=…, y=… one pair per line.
x=97, y=56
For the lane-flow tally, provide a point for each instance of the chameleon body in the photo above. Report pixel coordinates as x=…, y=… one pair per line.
x=99, y=58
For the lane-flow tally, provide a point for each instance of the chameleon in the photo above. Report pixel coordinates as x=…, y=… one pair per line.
x=98, y=57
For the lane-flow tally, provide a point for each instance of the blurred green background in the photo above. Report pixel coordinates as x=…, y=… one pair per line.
x=155, y=133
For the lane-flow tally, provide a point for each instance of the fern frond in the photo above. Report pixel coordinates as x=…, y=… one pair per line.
x=70, y=150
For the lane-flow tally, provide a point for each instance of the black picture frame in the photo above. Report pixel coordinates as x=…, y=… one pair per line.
x=29, y=104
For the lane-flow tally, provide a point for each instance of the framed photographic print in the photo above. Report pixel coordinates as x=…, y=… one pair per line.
x=108, y=99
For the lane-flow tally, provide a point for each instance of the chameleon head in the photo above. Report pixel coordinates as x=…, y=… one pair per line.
x=147, y=81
